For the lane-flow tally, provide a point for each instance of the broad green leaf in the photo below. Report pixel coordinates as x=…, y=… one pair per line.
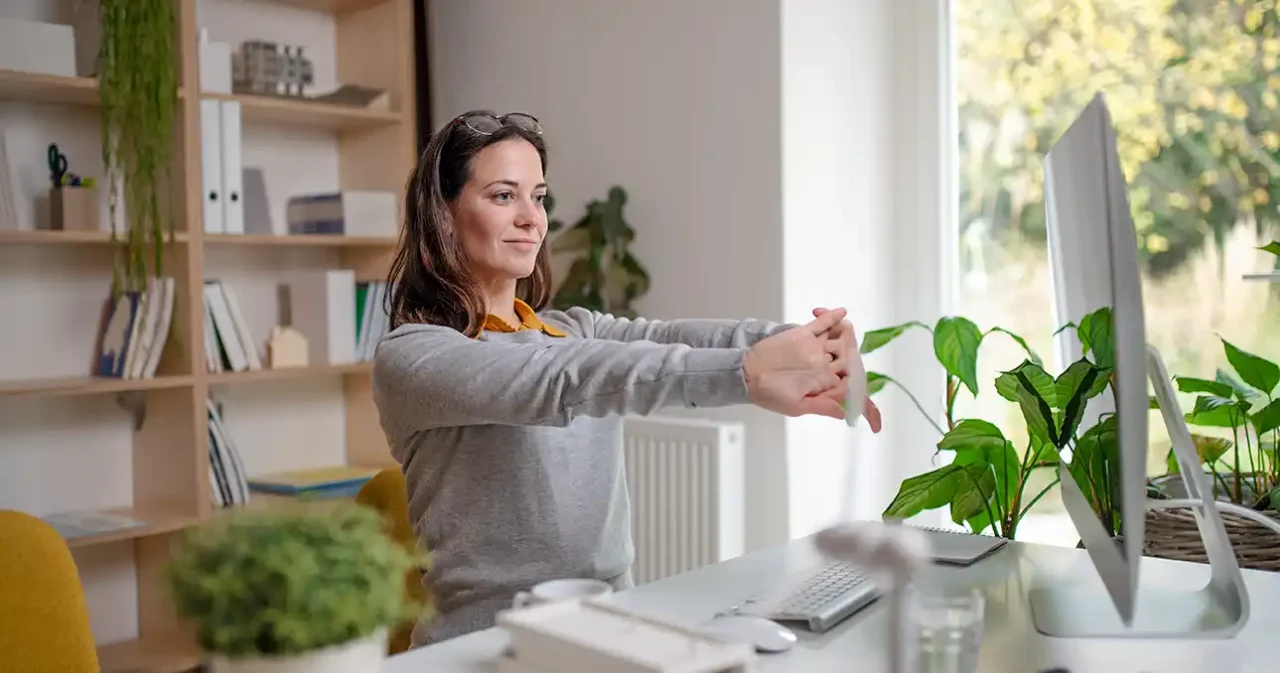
x=1075, y=387
x=1095, y=336
x=1275, y=500
x=1258, y=372
x=1189, y=384
x=1267, y=418
x=930, y=490
x=974, y=488
x=1036, y=412
x=955, y=343
x=876, y=382
x=1272, y=247
x=1209, y=449
x=878, y=338
x=1020, y=341
x=1041, y=381
x=1152, y=402
x=1218, y=412
x=1094, y=459
x=1002, y=461
x=1242, y=392
x=972, y=434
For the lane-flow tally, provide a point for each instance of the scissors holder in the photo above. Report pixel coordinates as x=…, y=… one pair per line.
x=73, y=209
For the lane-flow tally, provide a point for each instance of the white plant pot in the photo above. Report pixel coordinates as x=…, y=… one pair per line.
x=359, y=656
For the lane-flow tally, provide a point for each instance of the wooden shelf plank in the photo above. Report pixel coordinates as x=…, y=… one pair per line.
x=158, y=522
x=87, y=385
x=299, y=240
x=301, y=113
x=50, y=237
x=334, y=6
x=41, y=88
x=226, y=378
x=149, y=655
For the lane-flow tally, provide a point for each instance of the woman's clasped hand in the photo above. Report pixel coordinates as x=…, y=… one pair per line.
x=802, y=371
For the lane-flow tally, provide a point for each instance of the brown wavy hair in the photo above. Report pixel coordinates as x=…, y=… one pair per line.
x=431, y=280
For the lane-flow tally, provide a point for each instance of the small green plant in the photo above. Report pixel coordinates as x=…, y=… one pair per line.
x=290, y=580
x=605, y=276
x=985, y=485
x=1245, y=468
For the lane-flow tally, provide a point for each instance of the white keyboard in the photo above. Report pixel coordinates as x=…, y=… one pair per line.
x=821, y=597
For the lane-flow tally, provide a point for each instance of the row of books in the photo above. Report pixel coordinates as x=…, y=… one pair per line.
x=232, y=487
x=133, y=331
x=341, y=320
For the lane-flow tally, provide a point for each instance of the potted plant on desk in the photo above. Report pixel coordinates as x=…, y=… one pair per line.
x=1243, y=467
x=292, y=589
x=988, y=483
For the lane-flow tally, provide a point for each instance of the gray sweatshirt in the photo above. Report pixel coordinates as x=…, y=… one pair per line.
x=511, y=444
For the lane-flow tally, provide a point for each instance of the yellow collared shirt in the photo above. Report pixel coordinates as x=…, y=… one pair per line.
x=528, y=320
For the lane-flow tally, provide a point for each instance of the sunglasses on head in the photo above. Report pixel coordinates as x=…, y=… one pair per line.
x=487, y=124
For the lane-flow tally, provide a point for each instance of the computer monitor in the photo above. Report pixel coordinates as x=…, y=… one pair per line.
x=1093, y=255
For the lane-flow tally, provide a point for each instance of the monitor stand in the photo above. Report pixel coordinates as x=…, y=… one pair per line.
x=1217, y=610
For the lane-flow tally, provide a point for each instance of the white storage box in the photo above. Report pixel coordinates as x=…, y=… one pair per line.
x=32, y=46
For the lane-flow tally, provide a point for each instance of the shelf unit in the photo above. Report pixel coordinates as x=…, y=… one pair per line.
x=373, y=46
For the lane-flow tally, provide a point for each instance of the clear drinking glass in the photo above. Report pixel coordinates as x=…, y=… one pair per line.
x=945, y=628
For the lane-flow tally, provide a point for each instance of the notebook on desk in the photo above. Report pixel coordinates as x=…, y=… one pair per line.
x=960, y=548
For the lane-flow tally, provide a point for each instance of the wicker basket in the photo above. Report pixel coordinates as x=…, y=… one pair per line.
x=1173, y=534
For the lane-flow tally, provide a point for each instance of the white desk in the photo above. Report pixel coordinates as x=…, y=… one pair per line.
x=1011, y=645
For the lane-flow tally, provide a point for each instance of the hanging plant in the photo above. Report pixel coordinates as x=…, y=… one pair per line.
x=139, y=88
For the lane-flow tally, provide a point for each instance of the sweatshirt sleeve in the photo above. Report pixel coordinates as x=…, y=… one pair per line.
x=428, y=376
x=696, y=333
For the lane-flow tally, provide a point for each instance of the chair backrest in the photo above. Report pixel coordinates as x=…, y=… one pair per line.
x=44, y=622
x=386, y=493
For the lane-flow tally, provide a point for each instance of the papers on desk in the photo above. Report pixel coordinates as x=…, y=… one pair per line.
x=599, y=636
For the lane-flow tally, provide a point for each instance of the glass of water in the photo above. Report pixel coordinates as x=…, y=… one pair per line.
x=944, y=629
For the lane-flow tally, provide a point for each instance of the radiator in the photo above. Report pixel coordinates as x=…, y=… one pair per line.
x=685, y=478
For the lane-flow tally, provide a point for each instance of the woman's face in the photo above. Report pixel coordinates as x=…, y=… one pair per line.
x=498, y=215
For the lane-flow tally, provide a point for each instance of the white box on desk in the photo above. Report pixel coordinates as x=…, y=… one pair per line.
x=37, y=47
x=322, y=305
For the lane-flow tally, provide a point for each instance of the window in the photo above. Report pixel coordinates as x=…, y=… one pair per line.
x=1192, y=87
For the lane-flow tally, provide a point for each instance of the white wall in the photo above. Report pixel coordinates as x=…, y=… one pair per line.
x=72, y=453
x=677, y=102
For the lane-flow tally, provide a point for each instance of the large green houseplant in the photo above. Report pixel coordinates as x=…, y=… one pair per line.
x=605, y=275
x=986, y=483
x=312, y=588
x=138, y=84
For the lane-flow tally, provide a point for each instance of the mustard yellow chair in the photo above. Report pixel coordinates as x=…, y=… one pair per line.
x=44, y=623
x=386, y=493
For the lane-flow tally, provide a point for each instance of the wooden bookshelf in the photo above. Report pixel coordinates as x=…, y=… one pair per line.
x=376, y=149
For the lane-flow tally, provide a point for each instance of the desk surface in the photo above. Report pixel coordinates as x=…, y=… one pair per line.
x=1011, y=643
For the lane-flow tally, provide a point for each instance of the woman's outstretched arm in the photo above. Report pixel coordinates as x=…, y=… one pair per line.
x=427, y=376
x=695, y=332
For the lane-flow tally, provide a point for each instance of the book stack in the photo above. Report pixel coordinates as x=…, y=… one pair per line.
x=226, y=469
x=134, y=330
x=339, y=481
x=371, y=314
x=228, y=342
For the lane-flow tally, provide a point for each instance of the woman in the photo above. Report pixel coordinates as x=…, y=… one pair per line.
x=506, y=419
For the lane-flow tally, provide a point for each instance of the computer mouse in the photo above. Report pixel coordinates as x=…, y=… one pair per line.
x=765, y=634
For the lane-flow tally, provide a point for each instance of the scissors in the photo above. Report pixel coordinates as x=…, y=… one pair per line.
x=57, y=165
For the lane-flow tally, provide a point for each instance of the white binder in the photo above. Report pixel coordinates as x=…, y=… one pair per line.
x=232, y=173
x=211, y=164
